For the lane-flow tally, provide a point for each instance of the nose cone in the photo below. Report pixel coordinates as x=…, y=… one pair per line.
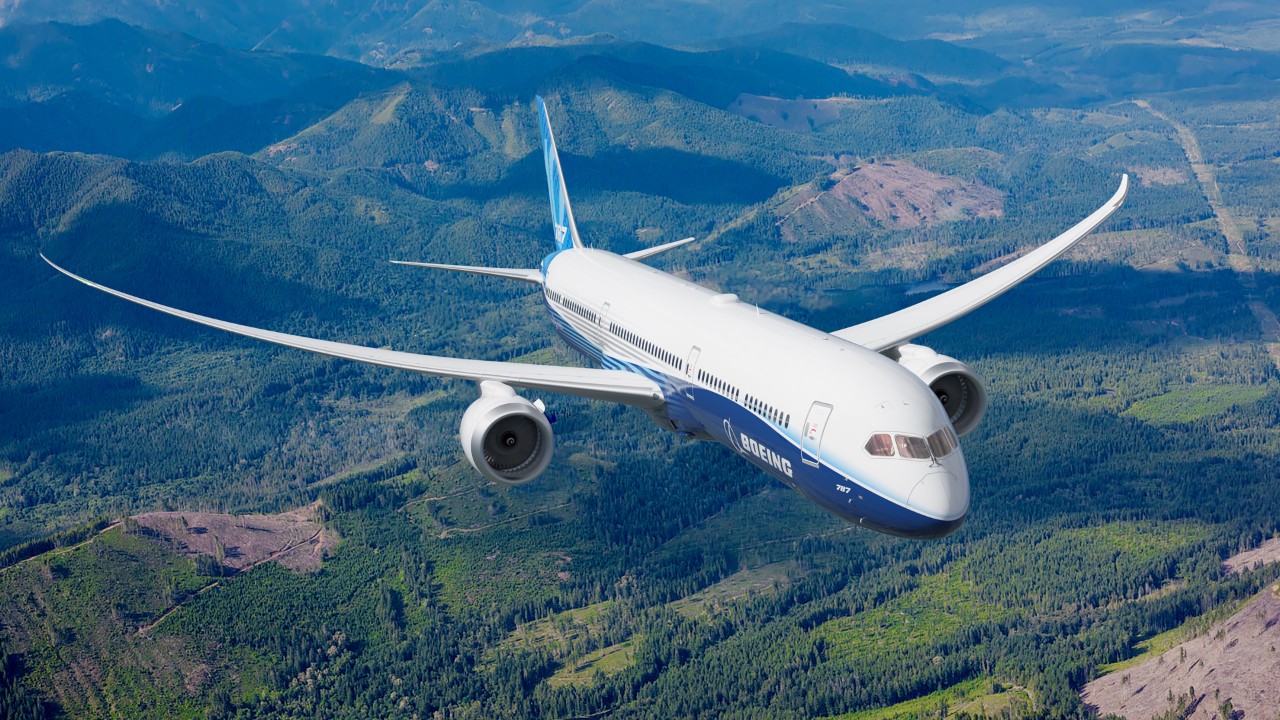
x=942, y=494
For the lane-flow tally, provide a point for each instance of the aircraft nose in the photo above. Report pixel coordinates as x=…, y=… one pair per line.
x=941, y=494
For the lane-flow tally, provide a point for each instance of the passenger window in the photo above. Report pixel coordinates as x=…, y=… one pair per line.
x=880, y=445
x=910, y=446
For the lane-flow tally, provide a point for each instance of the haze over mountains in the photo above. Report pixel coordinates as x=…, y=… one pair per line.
x=165, y=93
x=262, y=164
x=379, y=32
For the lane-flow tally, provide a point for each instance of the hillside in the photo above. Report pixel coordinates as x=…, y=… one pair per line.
x=894, y=194
x=847, y=46
x=161, y=93
x=1225, y=669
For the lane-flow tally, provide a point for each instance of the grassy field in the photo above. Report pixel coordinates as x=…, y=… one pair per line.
x=979, y=697
x=764, y=579
x=605, y=661
x=556, y=632
x=939, y=606
x=1193, y=402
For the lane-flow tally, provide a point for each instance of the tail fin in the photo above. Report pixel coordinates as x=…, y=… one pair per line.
x=561, y=213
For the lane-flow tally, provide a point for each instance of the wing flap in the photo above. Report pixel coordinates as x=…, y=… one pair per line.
x=611, y=385
x=896, y=328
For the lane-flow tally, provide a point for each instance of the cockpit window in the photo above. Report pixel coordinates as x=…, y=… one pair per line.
x=880, y=445
x=940, y=443
x=910, y=446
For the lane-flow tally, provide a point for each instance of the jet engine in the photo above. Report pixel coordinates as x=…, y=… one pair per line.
x=957, y=387
x=506, y=437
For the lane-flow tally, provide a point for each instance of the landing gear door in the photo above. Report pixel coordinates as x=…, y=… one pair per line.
x=811, y=440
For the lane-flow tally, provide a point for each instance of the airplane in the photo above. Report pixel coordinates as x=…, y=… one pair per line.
x=861, y=421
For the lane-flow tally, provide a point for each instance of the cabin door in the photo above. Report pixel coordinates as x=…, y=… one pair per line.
x=690, y=368
x=811, y=440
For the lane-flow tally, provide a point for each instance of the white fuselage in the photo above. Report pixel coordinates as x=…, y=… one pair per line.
x=797, y=402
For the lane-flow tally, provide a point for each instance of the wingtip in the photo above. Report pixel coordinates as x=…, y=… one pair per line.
x=53, y=265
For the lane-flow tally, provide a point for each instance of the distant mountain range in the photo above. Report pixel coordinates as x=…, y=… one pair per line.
x=379, y=32
x=164, y=94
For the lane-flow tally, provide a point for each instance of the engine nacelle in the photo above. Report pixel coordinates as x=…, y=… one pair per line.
x=958, y=389
x=506, y=437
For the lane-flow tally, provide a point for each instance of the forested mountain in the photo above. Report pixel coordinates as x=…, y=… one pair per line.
x=1130, y=445
x=121, y=90
x=170, y=96
x=845, y=45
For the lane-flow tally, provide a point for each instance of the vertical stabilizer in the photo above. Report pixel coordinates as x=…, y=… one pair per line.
x=561, y=213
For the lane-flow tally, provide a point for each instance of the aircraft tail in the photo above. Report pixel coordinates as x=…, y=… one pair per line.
x=561, y=214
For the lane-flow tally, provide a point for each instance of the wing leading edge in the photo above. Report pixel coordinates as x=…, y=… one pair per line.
x=894, y=329
x=611, y=385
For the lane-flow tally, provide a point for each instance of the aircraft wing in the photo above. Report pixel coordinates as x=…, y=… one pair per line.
x=894, y=329
x=612, y=385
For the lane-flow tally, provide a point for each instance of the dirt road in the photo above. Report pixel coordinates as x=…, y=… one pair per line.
x=1238, y=255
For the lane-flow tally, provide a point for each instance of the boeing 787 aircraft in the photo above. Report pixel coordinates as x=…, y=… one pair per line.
x=860, y=421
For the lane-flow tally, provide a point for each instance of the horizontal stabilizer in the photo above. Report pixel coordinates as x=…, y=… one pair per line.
x=656, y=249
x=532, y=276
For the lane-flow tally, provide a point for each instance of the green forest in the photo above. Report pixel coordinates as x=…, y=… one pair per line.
x=1129, y=448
